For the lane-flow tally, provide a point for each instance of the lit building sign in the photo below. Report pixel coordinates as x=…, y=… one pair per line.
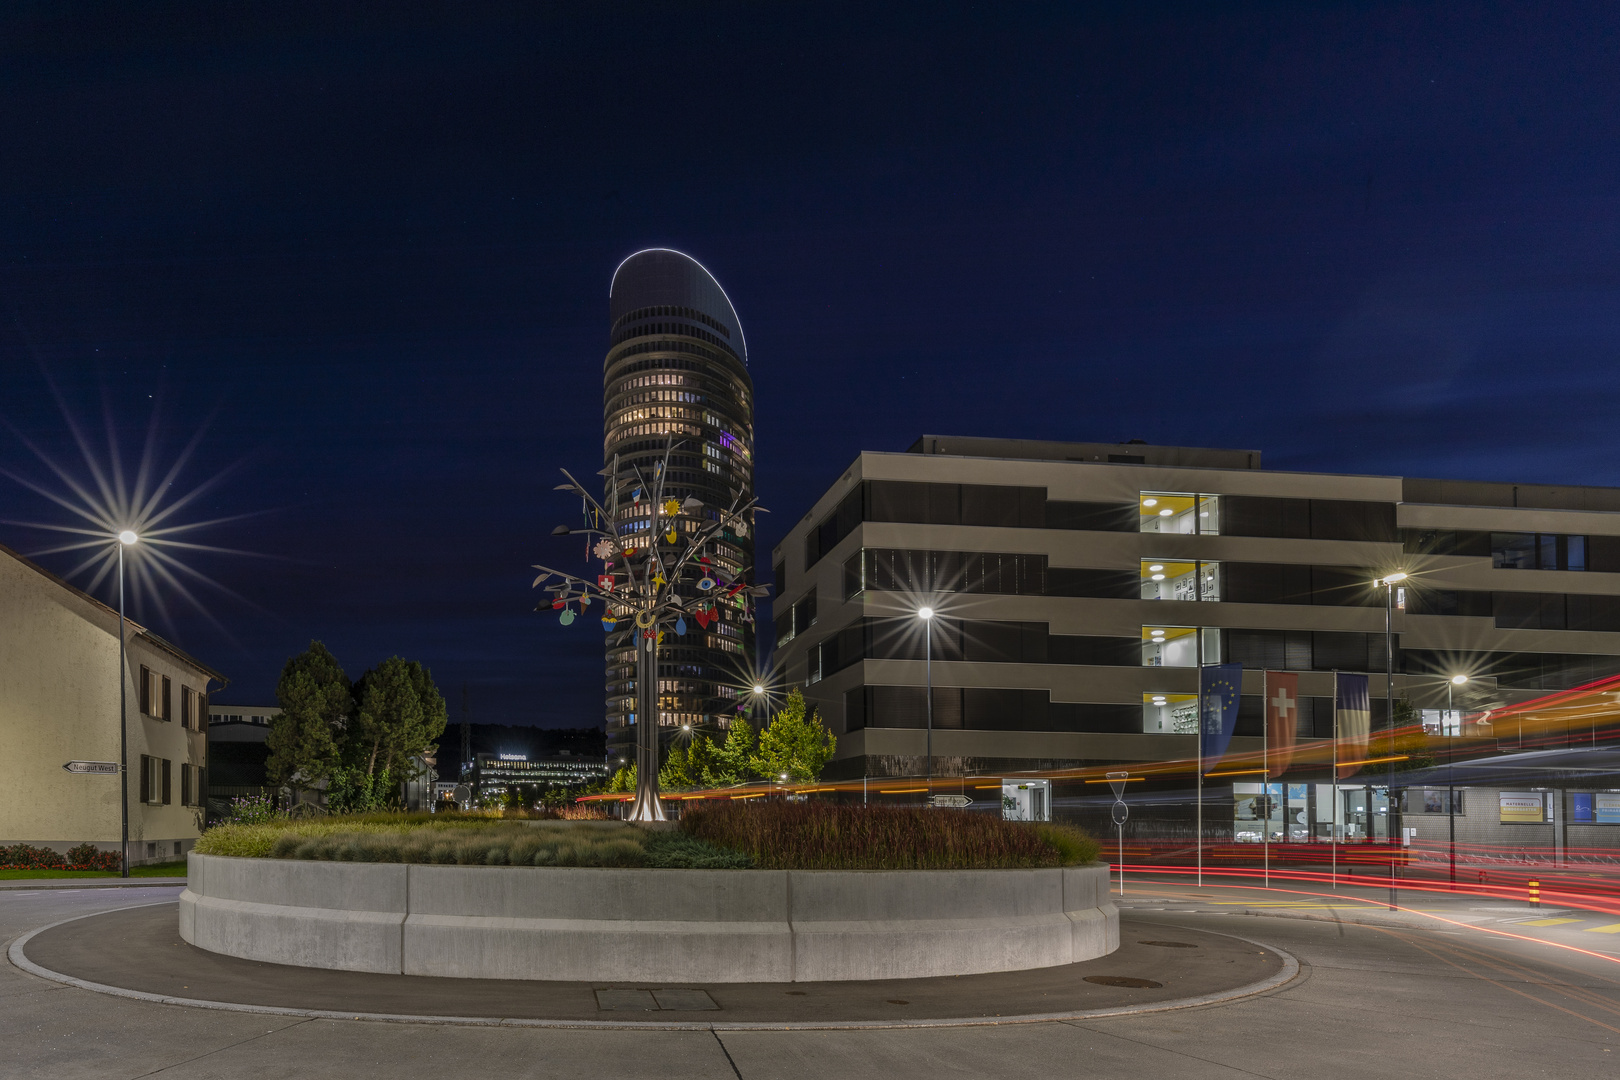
x=514, y=757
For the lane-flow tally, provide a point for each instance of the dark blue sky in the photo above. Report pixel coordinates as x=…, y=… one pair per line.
x=375, y=246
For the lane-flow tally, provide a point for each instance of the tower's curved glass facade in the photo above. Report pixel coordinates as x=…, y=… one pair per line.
x=677, y=365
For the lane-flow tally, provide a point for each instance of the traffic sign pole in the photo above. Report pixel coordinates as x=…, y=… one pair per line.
x=1120, y=813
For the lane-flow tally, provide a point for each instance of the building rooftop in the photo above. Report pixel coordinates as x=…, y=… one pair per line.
x=1135, y=452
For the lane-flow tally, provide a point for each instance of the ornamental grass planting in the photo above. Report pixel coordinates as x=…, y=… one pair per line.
x=829, y=836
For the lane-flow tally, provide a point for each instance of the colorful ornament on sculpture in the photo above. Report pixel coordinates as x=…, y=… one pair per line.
x=608, y=622
x=644, y=619
x=671, y=508
x=603, y=549
x=557, y=605
x=566, y=617
x=658, y=579
x=680, y=627
x=635, y=496
x=605, y=582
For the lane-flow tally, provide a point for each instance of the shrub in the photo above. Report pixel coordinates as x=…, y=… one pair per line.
x=824, y=836
x=253, y=810
x=24, y=857
x=90, y=857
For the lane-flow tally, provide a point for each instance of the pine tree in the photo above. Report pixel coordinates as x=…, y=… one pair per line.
x=733, y=759
x=315, y=699
x=794, y=746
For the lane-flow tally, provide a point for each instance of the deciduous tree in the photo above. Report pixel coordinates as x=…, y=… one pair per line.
x=793, y=745
x=315, y=699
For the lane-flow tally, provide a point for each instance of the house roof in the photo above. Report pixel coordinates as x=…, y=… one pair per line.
x=140, y=631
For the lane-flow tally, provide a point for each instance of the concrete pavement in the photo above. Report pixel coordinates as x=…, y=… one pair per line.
x=1373, y=1001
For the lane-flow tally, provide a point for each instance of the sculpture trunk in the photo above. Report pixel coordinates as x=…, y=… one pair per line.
x=647, y=807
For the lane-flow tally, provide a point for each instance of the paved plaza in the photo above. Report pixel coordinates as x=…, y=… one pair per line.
x=1503, y=992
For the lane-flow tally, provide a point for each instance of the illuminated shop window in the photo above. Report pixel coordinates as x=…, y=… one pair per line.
x=1170, y=714
x=1167, y=579
x=1184, y=513
x=1177, y=646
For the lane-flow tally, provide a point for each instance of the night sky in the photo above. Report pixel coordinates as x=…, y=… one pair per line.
x=365, y=252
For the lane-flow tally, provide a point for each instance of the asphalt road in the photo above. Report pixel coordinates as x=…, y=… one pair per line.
x=1491, y=997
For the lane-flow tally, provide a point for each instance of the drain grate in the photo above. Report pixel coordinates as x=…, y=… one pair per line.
x=1123, y=980
x=678, y=1000
x=1169, y=944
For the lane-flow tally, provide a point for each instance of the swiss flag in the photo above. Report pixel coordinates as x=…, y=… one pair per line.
x=1282, y=718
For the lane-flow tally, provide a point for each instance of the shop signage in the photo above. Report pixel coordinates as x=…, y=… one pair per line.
x=1606, y=807
x=1523, y=807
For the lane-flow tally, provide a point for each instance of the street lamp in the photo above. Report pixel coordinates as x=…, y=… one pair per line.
x=1451, y=779
x=1389, y=582
x=927, y=616
x=125, y=539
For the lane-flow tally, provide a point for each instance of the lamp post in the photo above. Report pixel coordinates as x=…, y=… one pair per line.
x=1389, y=584
x=125, y=539
x=927, y=616
x=1451, y=780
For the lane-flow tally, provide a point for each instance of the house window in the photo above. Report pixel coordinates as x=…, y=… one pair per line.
x=155, y=790
x=1168, y=579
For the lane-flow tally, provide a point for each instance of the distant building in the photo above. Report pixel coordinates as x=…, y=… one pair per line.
x=237, y=752
x=59, y=702
x=492, y=774
x=677, y=366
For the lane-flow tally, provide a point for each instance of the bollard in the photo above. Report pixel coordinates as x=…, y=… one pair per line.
x=1534, y=888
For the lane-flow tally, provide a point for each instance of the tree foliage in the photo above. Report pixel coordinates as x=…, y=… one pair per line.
x=360, y=738
x=793, y=745
x=731, y=762
x=315, y=699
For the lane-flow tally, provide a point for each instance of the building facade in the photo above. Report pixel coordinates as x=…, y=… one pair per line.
x=1078, y=587
x=59, y=702
x=493, y=774
x=676, y=369
x=237, y=753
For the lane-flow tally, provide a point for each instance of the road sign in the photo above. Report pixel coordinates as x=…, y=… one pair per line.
x=97, y=768
x=1116, y=780
x=957, y=801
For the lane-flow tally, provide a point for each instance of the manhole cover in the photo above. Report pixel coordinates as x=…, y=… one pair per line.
x=1169, y=944
x=1123, y=980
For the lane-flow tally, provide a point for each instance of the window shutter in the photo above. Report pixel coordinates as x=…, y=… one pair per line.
x=201, y=773
x=168, y=713
x=185, y=782
x=166, y=782
x=146, y=780
x=146, y=690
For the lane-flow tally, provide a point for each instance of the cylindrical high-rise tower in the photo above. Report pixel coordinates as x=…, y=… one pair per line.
x=677, y=366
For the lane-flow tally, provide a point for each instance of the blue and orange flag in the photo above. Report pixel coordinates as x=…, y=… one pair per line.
x=1220, y=691
x=1352, y=719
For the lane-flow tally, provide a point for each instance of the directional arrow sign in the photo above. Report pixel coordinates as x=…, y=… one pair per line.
x=100, y=768
x=950, y=800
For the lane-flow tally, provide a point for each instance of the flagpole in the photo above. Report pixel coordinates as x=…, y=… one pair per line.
x=1199, y=814
x=1333, y=811
x=1265, y=776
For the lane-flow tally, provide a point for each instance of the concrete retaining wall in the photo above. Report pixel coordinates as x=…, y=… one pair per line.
x=580, y=924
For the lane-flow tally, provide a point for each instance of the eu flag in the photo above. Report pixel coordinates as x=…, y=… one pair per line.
x=1220, y=688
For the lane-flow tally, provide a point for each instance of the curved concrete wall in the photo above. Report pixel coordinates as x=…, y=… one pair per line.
x=580, y=924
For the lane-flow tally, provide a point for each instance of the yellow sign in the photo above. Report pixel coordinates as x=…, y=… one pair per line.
x=1523, y=807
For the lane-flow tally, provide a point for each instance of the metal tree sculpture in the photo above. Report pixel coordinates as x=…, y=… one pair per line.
x=639, y=583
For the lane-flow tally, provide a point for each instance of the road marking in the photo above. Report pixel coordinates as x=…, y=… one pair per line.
x=1547, y=922
x=1612, y=928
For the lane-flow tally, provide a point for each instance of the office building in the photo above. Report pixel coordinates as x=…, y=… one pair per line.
x=59, y=703
x=1079, y=586
x=492, y=774
x=677, y=367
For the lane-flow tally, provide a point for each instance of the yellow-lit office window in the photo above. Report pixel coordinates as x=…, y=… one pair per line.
x=1179, y=512
x=1164, y=579
x=1169, y=646
x=1170, y=714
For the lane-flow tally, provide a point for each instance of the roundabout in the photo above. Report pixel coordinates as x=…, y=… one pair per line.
x=136, y=952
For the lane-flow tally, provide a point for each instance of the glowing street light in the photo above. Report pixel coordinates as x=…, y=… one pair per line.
x=759, y=688
x=926, y=614
x=1451, y=778
x=126, y=538
x=1389, y=581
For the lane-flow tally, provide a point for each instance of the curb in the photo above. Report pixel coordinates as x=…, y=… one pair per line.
x=26, y=884
x=19, y=959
